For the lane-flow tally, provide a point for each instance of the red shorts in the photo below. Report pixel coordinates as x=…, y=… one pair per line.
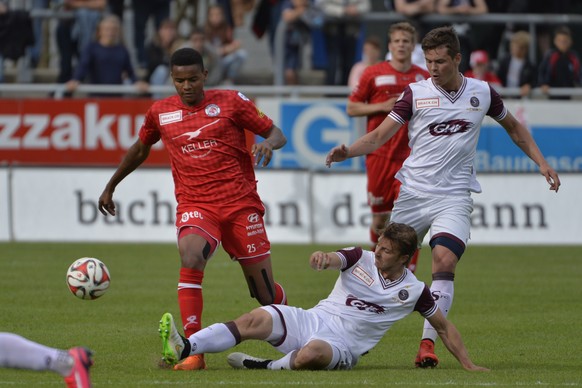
x=239, y=227
x=383, y=188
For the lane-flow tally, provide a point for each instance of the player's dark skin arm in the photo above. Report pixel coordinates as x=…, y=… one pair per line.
x=274, y=139
x=135, y=156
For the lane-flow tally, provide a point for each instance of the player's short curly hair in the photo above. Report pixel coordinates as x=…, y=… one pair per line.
x=186, y=57
x=403, y=238
x=442, y=36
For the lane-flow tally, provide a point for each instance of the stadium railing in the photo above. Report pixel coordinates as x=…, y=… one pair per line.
x=43, y=90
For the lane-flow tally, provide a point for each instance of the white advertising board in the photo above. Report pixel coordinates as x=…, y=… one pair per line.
x=60, y=204
x=520, y=209
x=67, y=208
x=285, y=195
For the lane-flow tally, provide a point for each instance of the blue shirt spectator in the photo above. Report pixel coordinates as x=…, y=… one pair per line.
x=106, y=60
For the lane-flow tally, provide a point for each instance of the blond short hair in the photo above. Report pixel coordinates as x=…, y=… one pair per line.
x=521, y=38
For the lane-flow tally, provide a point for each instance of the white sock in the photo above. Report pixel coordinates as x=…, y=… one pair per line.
x=212, y=339
x=21, y=353
x=282, y=363
x=444, y=290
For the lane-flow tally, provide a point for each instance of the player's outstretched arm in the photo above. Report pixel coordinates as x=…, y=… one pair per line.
x=452, y=340
x=366, y=144
x=321, y=260
x=135, y=156
x=524, y=140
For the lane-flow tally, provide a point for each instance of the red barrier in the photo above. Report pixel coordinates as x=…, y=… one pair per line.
x=72, y=132
x=76, y=132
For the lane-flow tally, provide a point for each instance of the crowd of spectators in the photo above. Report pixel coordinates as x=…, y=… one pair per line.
x=500, y=56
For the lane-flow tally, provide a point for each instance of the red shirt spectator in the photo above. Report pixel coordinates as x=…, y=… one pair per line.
x=480, y=68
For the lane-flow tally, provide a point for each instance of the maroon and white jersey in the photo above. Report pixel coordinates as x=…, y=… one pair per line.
x=379, y=83
x=443, y=130
x=207, y=146
x=368, y=304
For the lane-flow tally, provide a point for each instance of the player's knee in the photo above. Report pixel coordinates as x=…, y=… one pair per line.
x=193, y=260
x=256, y=324
x=317, y=354
x=311, y=357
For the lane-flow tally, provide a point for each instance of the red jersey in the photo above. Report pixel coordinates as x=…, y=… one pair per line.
x=206, y=144
x=489, y=77
x=379, y=83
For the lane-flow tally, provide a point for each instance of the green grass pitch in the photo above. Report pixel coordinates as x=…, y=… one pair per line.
x=519, y=310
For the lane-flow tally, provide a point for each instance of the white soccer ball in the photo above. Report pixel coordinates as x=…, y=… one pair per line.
x=88, y=278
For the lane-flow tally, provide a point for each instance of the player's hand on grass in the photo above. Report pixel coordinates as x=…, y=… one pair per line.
x=337, y=154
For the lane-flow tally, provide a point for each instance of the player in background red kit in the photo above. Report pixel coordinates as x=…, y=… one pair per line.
x=374, y=97
x=214, y=181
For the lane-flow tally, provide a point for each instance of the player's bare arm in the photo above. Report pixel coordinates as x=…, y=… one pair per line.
x=135, y=156
x=358, y=109
x=366, y=144
x=523, y=139
x=452, y=340
x=324, y=260
x=274, y=139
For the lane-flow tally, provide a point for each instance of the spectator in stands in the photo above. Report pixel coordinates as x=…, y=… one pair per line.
x=73, y=35
x=210, y=57
x=560, y=67
x=266, y=18
x=463, y=7
x=296, y=36
x=515, y=69
x=36, y=50
x=142, y=11
x=16, y=34
x=116, y=7
x=158, y=53
x=481, y=68
x=221, y=36
x=414, y=9
x=342, y=29
x=239, y=9
x=371, y=54
x=106, y=60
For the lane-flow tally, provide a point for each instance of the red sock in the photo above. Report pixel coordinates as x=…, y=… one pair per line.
x=280, y=296
x=413, y=261
x=190, y=299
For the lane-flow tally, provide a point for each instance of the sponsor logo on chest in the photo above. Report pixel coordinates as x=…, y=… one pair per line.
x=423, y=103
x=361, y=274
x=170, y=117
x=385, y=80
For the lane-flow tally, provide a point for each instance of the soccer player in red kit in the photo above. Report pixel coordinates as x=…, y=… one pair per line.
x=374, y=97
x=214, y=181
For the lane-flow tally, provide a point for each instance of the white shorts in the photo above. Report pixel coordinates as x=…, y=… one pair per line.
x=439, y=214
x=295, y=327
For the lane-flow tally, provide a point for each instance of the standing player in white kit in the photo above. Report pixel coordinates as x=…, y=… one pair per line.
x=444, y=115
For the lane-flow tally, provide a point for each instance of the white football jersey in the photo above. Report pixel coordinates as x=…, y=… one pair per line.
x=443, y=131
x=368, y=304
